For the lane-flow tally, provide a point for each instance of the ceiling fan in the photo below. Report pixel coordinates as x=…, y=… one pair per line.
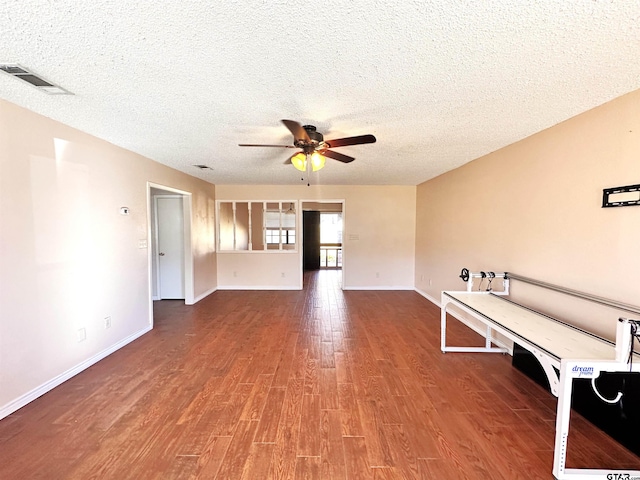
x=314, y=147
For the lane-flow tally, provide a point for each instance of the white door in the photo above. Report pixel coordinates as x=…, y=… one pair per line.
x=170, y=251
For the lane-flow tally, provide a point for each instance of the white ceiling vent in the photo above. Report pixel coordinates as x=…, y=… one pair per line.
x=31, y=78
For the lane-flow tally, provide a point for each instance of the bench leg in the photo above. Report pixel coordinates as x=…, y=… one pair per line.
x=562, y=421
x=443, y=325
x=443, y=335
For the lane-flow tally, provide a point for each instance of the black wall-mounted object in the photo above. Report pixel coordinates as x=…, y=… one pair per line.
x=619, y=200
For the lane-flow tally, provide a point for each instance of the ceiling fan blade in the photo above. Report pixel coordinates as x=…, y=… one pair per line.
x=337, y=156
x=343, y=142
x=296, y=129
x=260, y=145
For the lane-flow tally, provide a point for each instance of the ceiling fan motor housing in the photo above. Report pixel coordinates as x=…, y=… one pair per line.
x=314, y=135
x=310, y=141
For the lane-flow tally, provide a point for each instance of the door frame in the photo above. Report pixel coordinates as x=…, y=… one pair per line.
x=188, y=247
x=344, y=223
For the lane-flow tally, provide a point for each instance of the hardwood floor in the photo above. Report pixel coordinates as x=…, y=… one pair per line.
x=308, y=384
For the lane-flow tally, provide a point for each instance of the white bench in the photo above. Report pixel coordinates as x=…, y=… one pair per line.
x=575, y=353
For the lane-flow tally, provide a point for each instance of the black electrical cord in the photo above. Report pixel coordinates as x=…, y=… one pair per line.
x=482, y=277
x=635, y=335
x=491, y=276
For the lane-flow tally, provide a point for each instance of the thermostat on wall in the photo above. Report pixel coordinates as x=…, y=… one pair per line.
x=124, y=211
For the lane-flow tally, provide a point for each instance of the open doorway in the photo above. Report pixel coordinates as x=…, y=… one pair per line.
x=322, y=227
x=331, y=240
x=170, y=255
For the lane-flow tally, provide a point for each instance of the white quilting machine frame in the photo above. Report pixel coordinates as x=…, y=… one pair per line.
x=468, y=278
x=580, y=354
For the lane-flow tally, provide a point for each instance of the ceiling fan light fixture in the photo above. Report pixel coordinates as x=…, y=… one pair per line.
x=299, y=160
x=313, y=146
x=317, y=161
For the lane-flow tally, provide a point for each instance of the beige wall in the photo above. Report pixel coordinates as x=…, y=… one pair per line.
x=68, y=258
x=534, y=208
x=378, y=239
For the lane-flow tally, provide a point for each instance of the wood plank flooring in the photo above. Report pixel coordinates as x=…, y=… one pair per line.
x=315, y=384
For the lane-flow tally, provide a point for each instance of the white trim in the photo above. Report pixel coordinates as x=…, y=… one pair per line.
x=202, y=295
x=189, y=281
x=435, y=301
x=155, y=298
x=150, y=238
x=257, y=252
x=187, y=225
x=379, y=287
x=30, y=396
x=472, y=325
x=258, y=287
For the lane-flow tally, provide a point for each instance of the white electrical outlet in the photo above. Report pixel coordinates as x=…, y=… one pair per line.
x=235, y=274
x=82, y=334
x=377, y=274
x=107, y=322
x=430, y=282
x=282, y=274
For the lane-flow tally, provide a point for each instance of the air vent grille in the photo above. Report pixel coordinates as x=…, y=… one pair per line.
x=12, y=69
x=31, y=78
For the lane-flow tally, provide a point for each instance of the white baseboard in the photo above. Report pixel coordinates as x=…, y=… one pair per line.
x=203, y=295
x=480, y=331
x=378, y=287
x=258, y=287
x=428, y=297
x=30, y=396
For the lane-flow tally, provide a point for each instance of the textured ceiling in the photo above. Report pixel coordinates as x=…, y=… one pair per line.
x=439, y=83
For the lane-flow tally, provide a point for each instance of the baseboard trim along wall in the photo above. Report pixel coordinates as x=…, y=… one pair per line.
x=480, y=330
x=28, y=397
x=203, y=295
x=257, y=287
x=379, y=288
